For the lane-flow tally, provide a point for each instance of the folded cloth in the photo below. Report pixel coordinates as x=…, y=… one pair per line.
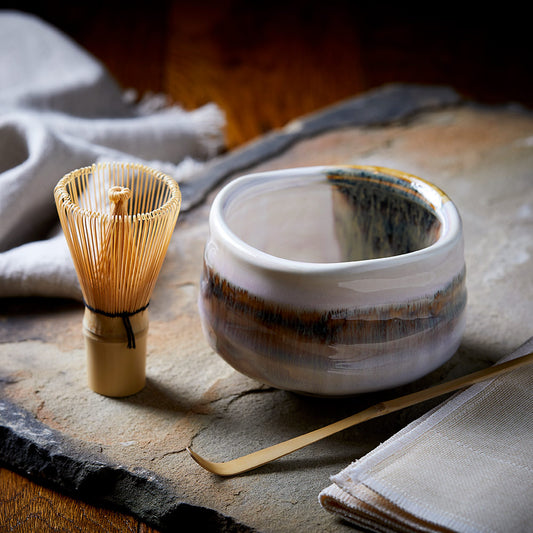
x=465, y=466
x=61, y=110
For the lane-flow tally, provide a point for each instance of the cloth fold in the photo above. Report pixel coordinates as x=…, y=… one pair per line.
x=465, y=466
x=61, y=110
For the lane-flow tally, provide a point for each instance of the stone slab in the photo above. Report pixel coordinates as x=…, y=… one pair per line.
x=131, y=453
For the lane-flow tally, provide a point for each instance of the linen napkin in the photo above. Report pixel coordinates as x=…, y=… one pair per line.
x=465, y=466
x=61, y=110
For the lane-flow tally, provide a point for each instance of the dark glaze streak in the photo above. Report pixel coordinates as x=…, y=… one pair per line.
x=374, y=218
x=231, y=306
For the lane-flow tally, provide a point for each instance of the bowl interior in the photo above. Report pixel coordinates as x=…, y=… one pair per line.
x=321, y=219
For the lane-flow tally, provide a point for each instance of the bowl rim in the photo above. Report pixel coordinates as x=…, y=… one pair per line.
x=443, y=208
x=65, y=202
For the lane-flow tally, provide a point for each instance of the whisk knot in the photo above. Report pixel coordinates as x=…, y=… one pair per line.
x=125, y=316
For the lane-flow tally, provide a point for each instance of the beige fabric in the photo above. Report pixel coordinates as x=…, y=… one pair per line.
x=465, y=466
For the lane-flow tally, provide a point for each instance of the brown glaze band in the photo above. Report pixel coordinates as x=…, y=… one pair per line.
x=227, y=304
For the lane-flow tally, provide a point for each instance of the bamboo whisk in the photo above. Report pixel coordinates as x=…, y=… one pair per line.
x=118, y=220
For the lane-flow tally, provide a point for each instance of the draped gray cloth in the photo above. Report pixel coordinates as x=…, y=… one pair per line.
x=61, y=110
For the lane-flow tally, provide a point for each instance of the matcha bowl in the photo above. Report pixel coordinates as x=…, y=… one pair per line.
x=333, y=281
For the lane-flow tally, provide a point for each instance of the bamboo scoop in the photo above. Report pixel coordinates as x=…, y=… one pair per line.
x=266, y=455
x=118, y=220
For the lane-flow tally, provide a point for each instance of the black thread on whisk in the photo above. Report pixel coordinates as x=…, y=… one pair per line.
x=125, y=320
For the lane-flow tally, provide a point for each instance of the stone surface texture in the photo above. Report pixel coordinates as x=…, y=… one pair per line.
x=131, y=452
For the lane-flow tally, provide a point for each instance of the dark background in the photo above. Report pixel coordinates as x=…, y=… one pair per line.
x=266, y=63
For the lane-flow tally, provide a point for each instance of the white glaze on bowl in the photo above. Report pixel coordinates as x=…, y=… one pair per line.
x=288, y=297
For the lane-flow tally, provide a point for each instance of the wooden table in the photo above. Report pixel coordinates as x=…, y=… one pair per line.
x=245, y=61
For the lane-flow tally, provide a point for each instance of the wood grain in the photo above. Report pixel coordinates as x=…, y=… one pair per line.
x=266, y=63
x=26, y=507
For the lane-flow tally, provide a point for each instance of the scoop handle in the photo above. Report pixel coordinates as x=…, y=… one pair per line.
x=266, y=455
